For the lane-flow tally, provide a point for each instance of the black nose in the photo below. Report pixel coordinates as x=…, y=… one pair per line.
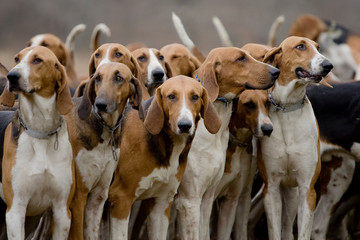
x=184, y=127
x=326, y=66
x=101, y=105
x=267, y=129
x=275, y=73
x=13, y=76
x=158, y=75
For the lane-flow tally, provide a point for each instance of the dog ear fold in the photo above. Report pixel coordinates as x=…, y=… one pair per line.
x=168, y=70
x=212, y=121
x=154, y=120
x=64, y=102
x=270, y=56
x=87, y=100
x=7, y=98
x=136, y=96
x=80, y=89
x=206, y=73
x=92, y=68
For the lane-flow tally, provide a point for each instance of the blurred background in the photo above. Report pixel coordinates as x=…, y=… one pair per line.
x=149, y=21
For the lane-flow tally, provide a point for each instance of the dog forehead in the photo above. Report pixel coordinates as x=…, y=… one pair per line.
x=37, y=51
x=223, y=53
x=181, y=84
x=111, y=68
x=257, y=51
x=293, y=41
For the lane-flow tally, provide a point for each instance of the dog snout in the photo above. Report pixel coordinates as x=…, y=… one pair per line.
x=274, y=73
x=13, y=77
x=326, y=67
x=158, y=75
x=101, y=105
x=184, y=126
x=267, y=129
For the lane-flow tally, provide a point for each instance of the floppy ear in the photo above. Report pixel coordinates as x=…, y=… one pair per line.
x=7, y=98
x=207, y=75
x=64, y=102
x=270, y=56
x=212, y=121
x=136, y=68
x=154, y=120
x=136, y=93
x=194, y=63
x=168, y=70
x=63, y=53
x=92, y=68
x=80, y=89
x=87, y=100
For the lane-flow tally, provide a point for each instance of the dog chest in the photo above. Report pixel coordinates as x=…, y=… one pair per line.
x=41, y=173
x=96, y=164
x=162, y=180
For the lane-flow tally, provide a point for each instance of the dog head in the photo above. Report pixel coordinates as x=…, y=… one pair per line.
x=181, y=61
x=178, y=104
x=298, y=58
x=257, y=51
x=252, y=111
x=153, y=69
x=38, y=71
x=108, y=91
x=113, y=52
x=227, y=71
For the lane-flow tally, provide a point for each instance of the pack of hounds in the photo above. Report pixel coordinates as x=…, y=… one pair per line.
x=257, y=142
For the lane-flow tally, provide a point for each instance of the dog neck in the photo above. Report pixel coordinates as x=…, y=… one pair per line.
x=38, y=113
x=292, y=93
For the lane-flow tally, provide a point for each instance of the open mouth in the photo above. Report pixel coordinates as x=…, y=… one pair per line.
x=301, y=73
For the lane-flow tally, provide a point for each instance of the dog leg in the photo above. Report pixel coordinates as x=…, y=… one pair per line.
x=77, y=210
x=158, y=219
x=93, y=212
x=340, y=179
x=188, y=211
x=15, y=219
x=248, y=169
x=289, y=209
x=205, y=210
x=119, y=220
x=273, y=208
x=61, y=220
x=305, y=213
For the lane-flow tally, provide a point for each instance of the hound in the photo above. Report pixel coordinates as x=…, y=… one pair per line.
x=338, y=44
x=181, y=61
x=225, y=73
x=37, y=164
x=249, y=120
x=154, y=153
x=63, y=51
x=289, y=160
x=154, y=70
x=94, y=126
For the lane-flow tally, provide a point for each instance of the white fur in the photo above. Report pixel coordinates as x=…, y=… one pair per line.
x=205, y=167
x=24, y=69
x=106, y=59
x=154, y=65
x=36, y=41
x=42, y=175
x=186, y=116
x=340, y=179
x=162, y=185
x=97, y=167
x=180, y=29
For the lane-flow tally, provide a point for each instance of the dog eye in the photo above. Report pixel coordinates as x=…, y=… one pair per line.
x=97, y=55
x=161, y=58
x=119, y=78
x=194, y=97
x=171, y=97
x=142, y=58
x=250, y=105
x=97, y=79
x=118, y=54
x=301, y=47
x=175, y=57
x=17, y=60
x=37, y=60
x=44, y=44
x=241, y=59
